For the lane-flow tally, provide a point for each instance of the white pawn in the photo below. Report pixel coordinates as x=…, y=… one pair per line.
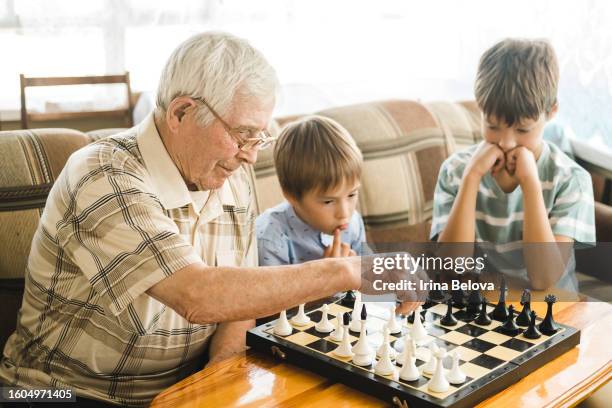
x=456, y=375
x=355, y=317
x=337, y=333
x=385, y=365
x=430, y=367
x=386, y=345
x=438, y=382
x=282, y=326
x=324, y=325
x=394, y=326
x=344, y=349
x=408, y=343
x=300, y=319
x=409, y=371
x=418, y=332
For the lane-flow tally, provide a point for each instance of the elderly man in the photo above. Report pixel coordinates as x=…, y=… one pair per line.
x=145, y=254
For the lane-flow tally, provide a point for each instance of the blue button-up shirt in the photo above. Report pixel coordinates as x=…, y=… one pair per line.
x=283, y=238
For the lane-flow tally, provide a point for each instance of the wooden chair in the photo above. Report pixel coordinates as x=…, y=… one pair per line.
x=125, y=113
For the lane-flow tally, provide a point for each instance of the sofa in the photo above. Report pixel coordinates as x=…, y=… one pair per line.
x=403, y=144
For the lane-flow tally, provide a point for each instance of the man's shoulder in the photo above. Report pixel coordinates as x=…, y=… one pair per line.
x=115, y=153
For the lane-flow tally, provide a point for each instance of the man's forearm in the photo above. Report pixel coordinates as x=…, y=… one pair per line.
x=543, y=260
x=229, y=339
x=204, y=294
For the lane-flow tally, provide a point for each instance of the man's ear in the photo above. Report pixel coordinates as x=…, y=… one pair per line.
x=177, y=110
x=553, y=111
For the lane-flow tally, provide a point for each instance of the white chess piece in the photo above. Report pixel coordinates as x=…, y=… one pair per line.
x=282, y=326
x=408, y=343
x=364, y=354
x=324, y=325
x=409, y=371
x=418, y=332
x=356, y=315
x=456, y=375
x=394, y=326
x=385, y=366
x=344, y=349
x=337, y=333
x=430, y=367
x=438, y=382
x=300, y=319
x=386, y=345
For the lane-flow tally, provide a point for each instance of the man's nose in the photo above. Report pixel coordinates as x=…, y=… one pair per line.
x=247, y=156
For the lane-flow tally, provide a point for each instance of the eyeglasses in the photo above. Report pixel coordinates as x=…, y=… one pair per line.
x=247, y=138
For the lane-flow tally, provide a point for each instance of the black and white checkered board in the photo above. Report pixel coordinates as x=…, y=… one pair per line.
x=491, y=360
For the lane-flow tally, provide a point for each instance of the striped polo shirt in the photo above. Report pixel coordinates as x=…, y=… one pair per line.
x=568, y=198
x=118, y=220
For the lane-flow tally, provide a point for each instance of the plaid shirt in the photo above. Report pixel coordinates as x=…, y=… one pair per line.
x=118, y=220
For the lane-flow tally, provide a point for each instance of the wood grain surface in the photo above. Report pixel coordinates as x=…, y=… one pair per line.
x=253, y=379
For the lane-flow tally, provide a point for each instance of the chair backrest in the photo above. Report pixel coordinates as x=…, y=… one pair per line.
x=124, y=113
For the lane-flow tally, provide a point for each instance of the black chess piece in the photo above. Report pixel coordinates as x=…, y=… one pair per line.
x=474, y=301
x=532, y=331
x=548, y=325
x=411, y=316
x=459, y=298
x=523, y=318
x=500, y=312
x=364, y=313
x=346, y=319
x=449, y=319
x=483, y=318
x=436, y=294
x=509, y=327
x=349, y=299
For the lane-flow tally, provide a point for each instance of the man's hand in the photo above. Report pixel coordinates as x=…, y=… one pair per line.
x=488, y=157
x=338, y=248
x=522, y=164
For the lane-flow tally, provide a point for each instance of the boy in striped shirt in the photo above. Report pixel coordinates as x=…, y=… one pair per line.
x=514, y=190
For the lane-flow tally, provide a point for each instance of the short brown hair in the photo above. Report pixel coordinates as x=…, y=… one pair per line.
x=517, y=79
x=315, y=153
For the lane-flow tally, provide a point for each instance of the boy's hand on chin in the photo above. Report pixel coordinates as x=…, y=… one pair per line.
x=522, y=165
x=338, y=248
x=488, y=157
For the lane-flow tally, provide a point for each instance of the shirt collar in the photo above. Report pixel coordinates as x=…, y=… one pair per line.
x=165, y=176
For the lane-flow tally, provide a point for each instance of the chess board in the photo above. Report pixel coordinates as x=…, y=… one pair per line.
x=491, y=360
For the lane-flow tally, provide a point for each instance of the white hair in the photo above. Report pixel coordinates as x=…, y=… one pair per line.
x=218, y=67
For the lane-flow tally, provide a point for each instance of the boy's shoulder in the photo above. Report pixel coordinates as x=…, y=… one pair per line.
x=272, y=222
x=563, y=166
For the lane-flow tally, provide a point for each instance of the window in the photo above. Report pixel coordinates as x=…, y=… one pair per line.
x=326, y=52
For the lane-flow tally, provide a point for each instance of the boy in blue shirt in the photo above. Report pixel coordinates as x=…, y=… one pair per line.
x=319, y=169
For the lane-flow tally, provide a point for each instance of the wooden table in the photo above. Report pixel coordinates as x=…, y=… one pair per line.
x=253, y=379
